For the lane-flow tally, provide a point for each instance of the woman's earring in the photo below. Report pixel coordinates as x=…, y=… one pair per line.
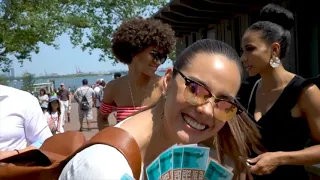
x=163, y=98
x=275, y=62
x=164, y=94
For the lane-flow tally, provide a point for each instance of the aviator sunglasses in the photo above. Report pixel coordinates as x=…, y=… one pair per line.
x=158, y=57
x=197, y=94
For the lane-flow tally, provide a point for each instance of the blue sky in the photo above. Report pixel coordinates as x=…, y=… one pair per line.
x=64, y=60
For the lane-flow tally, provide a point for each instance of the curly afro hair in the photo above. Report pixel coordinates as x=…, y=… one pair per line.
x=137, y=34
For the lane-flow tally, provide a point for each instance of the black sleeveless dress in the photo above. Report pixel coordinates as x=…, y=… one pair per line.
x=282, y=132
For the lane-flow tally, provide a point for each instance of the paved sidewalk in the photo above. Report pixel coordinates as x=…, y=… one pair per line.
x=74, y=124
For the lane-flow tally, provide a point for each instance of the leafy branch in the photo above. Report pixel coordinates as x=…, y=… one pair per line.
x=89, y=23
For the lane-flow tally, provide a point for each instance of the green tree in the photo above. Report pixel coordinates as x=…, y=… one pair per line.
x=105, y=17
x=173, y=55
x=26, y=24
x=28, y=81
x=4, y=80
x=89, y=23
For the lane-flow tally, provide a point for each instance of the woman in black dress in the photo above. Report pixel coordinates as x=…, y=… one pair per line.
x=286, y=107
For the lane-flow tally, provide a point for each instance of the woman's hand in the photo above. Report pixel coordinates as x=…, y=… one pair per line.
x=265, y=163
x=5, y=154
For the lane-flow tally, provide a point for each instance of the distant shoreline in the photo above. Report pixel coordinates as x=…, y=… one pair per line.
x=67, y=76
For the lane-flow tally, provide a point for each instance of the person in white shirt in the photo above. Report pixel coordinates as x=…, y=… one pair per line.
x=54, y=116
x=43, y=100
x=99, y=93
x=96, y=91
x=21, y=122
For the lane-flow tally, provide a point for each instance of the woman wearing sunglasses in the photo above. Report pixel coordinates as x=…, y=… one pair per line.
x=143, y=45
x=197, y=103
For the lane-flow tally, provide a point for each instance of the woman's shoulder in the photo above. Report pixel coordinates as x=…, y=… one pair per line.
x=116, y=83
x=95, y=162
x=111, y=90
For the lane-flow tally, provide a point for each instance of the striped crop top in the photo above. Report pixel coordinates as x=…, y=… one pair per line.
x=122, y=111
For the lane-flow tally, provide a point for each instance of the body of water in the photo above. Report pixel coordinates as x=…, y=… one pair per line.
x=72, y=82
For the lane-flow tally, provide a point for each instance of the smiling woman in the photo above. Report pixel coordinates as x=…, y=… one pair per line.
x=142, y=44
x=197, y=103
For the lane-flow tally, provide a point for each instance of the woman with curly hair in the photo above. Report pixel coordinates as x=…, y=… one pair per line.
x=142, y=44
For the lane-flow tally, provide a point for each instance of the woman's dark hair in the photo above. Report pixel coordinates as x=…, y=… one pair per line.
x=275, y=23
x=207, y=46
x=137, y=34
x=116, y=75
x=43, y=90
x=103, y=83
x=50, y=108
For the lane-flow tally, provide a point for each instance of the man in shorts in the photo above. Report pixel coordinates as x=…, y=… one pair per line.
x=85, y=95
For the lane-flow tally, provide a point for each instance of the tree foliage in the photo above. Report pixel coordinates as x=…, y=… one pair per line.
x=4, y=80
x=105, y=17
x=28, y=81
x=24, y=24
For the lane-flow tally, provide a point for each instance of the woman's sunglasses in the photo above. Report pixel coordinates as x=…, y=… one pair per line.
x=197, y=94
x=158, y=57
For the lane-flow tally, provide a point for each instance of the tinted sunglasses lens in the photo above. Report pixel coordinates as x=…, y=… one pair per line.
x=225, y=110
x=196, y=94
x=157, y=56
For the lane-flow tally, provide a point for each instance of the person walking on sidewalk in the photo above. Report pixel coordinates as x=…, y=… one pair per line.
x=65, y=97
x=99, y=93
x=85, y=97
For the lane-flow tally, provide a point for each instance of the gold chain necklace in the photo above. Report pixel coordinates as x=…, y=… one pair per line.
x=145, y=93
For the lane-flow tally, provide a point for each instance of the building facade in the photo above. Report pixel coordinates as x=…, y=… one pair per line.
x=10, y=73
x=227, y=20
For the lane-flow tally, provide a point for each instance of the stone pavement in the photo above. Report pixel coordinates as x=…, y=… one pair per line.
x=74, y=124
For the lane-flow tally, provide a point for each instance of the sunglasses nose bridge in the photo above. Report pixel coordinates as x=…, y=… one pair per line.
x=211, y=100
x=206, y=108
